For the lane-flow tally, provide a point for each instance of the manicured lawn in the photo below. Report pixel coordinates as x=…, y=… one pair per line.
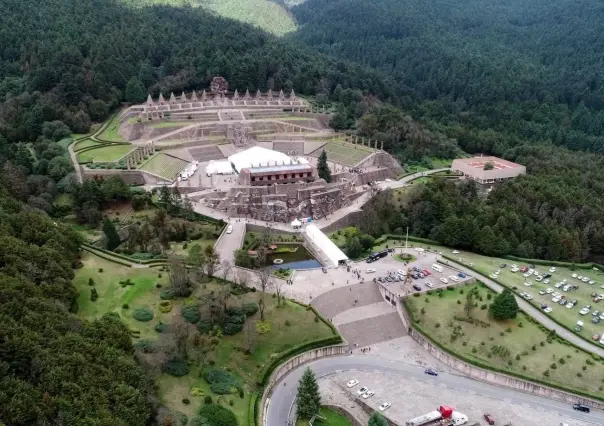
x=518, y=345
x=164, y=165
x=332, y=418
x=344, y=152
x=105, y=153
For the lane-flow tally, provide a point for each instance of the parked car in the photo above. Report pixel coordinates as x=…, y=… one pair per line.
x=431, y=372
x=595, y=320
x=453, y=278
x=429, y=285
x=370, y=271
x=489, y=419
x=416, y=287
x=426, y=272
x=368, y=394
x=461, y=275
x=552, y=269
x=444, y=280
x=547, y=276
x=385, y=406
x=229, y=229
x=362, y=390
x=455, y=252
x=547, y=310
x=352, y=383
x=549, y=290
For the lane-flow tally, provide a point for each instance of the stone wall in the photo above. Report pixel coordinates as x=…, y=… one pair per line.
x=351, y=219
x=130, y=177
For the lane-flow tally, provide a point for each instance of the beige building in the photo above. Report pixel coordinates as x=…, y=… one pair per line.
x=486, y=170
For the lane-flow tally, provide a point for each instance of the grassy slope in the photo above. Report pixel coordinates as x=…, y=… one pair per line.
x=332, y=418
x=261, y=13
x=476, y=341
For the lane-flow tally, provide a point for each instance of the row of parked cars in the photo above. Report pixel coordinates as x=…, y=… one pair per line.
x=364, y=392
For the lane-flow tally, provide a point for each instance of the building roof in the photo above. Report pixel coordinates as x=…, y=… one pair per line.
x=258, y=157
x=474, y=167
x=286, y=168
x=322, y=242
x=221, y=167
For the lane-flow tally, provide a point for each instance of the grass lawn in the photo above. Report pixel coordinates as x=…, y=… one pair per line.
x=105, y=154
x=518, y=345
x=332, y=418
x=344, y=152
x=85, y=143
x=567, y=317
x=291, y=325
x=112, y=131
x=164, y=165
x=164, y=124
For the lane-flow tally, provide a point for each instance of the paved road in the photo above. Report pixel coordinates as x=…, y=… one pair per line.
x=536, y=314
x=226, y=246
x=282, y=399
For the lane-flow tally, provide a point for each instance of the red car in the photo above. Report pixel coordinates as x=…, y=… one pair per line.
x=490, y=420
x=425, y=271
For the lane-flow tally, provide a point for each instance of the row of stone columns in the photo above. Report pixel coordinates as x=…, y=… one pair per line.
x=139, y=154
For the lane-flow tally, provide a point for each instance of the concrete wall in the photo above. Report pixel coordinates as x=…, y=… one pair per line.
x=351, y=219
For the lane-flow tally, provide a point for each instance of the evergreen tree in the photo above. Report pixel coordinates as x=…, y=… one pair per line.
x=469, y=306
x=504, y=306
x=135, y=91
x=377, y=419
x=113, y=239
x=309, y=400
x=353, y=247
x=323, y=167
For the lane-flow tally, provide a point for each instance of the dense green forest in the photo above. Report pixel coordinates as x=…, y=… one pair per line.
x=55, y=368
x=530, y=70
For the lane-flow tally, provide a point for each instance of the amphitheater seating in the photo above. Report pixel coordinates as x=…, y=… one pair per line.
x=206, y=153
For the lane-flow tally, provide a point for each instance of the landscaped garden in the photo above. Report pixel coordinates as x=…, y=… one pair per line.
x=329, y=418
x=204, y=341
x=461, y=324
x=344, y=152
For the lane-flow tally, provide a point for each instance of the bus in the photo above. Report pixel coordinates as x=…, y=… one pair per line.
x=376, y=256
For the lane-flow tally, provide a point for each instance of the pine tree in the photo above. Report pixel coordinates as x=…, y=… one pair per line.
x=113, y=239
x=135, y=91
x=469, y=306
x=377, y=419
x=323, y=167
x=504, y=306
x=309, y=400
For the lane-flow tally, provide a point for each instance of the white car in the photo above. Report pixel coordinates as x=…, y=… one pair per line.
x=528, y=283
x=514, y=266
x=547, y=310
x=498, y=271
x=585, y=279
x=362, y=390
x=556, y=294
x=580, y=277
x=569, y=305
x=368, y=394
x=526, y=275
x=429, y=285
x=385, y=406
x=528, y=297
x=494, y=276
x=584, y=311
x=541, y=292
x=536, y=273
x=539, y=278
x=444, y=280
x=552, y=269
x=591, y=282
x=418, y=249
x=558, y=285
x=602, y=286
x=453, y=278
x=549, y=290
x=401, y=272
x=230, y=229
x=514, y=270
x=370, y=271
x=352, y=383
x=556, y=299
x=566, y=288
x=574, y=275
x=546, y=281
x=455, y=252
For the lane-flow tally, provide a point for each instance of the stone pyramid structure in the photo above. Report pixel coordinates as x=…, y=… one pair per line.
x=247, y=96
x=236, y=95
x=172, y=98
x=161, y=99
x=281, y=95
x=149, y=100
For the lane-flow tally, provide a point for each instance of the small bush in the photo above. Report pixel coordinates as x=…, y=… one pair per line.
x=437, y=325
x=474, y=350
x=231, y=402
x=204, y=325
x=165, y=306
x=483, y=306
x=218, y=415
x=458, y=302
x=542, y=343
x=520, y=324
x=553, y=366
x=584, y=367
x=231, y=328
x=166, y=294
x=100, y=270
x=287, y=323
x=196, y=392
x=263, y=327
x=93, y=294
x=241, y=393
x=161, y=327
x=186, y=401
x=517, y=357
x=145, y=345
x=489, y=296
x=159, y=275
x=316, y=318
x=207, y=399
x=143, y=314
x=509, y=329
x=176, y=367
x=223, y=388
x=190, y=313
x=125, y=306
x=90, y=282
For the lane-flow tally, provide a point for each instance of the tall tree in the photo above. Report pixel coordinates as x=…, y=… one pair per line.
x=111, y=235
x=308, y=398
x=469, y=305
x=323, y=168
x=504, y=306
x=135, y=91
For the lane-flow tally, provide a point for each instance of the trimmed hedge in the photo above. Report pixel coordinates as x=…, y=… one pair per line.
x=143, y=314
x=166, y=294
x=176, y=367
x=102, y=255
x=387, y=237
x=218, y=415
x=561, y=264
x=231, y=328
x=161, y=327
x=204, y=325
x=252, y=413
x=190, y=313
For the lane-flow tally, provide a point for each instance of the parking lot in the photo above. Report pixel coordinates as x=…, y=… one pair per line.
x=392, y=273
x=412, y=397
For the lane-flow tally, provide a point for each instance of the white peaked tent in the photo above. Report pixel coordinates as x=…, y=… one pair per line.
x=321, y=242
x=219, y=168
x=296, y=223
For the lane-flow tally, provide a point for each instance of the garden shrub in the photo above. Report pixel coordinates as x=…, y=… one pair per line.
x=190, y=313
x=182, y=417
x=100, y=270
x=199, y=421
x=196, y=392
x=221, y=381
x=186, y=401
x=166, y=294
x=176, y=367
x=235, y=311
x=93, y=294
x=143, y=314
x=145, y=345
x=250, y=309
x=263, y=327
x=204, y=325
x=90, y=282
x=161, y=327
x=223, y=388
x=125, y=306
x=207, y=399
x=287, y=323
x=165, y=306
x=218, y=415
x=236, y=319
x=231, y=328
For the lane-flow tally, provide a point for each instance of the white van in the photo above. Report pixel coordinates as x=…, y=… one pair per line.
x=437, y=268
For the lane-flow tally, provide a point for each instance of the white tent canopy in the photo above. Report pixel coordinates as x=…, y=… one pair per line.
x=258, y=157
x=321, y=242
x=222, y=167
x=296, y=223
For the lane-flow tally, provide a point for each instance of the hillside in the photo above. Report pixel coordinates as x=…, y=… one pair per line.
x=527, y=69
x=264, y=14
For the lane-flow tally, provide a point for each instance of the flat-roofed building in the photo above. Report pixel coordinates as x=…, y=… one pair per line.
x=287, y=173
x=487, y=170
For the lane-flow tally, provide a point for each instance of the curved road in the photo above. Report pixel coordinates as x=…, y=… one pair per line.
x=282, y=399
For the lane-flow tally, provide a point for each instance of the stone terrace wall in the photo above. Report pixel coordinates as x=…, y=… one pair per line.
x=130, y=177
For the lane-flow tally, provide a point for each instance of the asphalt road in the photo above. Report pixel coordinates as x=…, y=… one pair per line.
x=282, y=399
